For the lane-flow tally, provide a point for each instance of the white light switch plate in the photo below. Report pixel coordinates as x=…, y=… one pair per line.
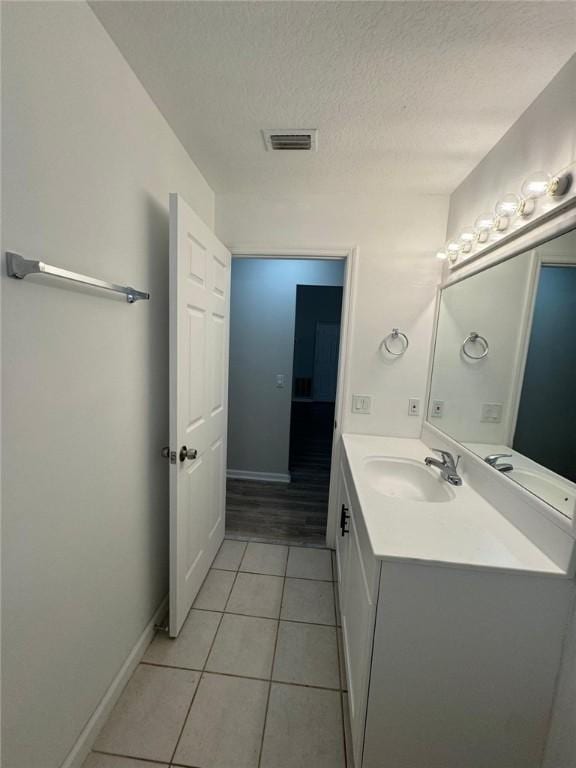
x=361, y=403
x=491, y=412
x=414, y=406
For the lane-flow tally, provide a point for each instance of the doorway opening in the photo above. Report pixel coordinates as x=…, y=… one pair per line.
x=285, y=332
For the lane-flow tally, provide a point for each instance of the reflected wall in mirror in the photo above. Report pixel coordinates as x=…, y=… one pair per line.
x=504, y=374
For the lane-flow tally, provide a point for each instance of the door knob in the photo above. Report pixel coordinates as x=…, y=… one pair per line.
x=188, y=453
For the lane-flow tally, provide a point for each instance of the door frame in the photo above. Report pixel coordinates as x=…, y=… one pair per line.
x=350, y=257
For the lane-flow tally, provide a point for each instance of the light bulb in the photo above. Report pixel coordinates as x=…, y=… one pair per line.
x=468, y=235
x=536, y=185
x=441, y=255
x=467, y=238
x=452, y=249
x=483, y=226
x=508, y=206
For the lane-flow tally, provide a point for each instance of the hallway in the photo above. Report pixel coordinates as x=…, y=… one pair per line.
x=255, y=679
x=294, y=512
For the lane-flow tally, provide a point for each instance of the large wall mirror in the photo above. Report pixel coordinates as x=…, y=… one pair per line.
x=504, y=374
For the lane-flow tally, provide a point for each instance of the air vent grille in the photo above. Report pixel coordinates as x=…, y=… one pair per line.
x=286, y=141
x=302, y=140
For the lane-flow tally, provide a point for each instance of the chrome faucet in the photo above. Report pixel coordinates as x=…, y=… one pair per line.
x=493, y=459
x=447, y=466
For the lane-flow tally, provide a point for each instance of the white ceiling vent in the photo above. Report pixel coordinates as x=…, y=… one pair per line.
x=305, y=139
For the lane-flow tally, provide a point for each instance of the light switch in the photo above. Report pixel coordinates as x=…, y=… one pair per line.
x=280, y=380
x=491, y=412
x=361, y=403
x=414, y=406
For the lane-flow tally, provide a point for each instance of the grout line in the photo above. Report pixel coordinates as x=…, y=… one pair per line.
x=272, y=618
x=129, y=757
x=248, y=677
x=203, y=672
x=275, y=575
x=272, y=667
x=340, y=680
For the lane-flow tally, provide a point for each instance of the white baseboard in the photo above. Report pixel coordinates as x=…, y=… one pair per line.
x=83, y=745
x=267, y=477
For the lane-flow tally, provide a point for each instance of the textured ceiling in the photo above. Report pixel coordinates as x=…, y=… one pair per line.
x=406, y=95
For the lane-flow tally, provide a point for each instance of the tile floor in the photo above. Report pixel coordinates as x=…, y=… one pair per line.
x=255, y=679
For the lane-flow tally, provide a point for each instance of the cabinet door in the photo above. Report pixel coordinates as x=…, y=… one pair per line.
x=342, y=540
x=358, y=613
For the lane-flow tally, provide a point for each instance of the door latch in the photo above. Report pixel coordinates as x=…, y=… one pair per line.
x=168, y=454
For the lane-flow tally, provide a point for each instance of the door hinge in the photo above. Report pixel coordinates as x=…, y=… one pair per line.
x=168, y=454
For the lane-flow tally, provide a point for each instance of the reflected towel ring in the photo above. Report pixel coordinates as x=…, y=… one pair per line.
x=396, y=334
x=475, y=338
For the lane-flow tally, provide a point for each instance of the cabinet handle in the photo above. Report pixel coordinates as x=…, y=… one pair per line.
x=343, y=519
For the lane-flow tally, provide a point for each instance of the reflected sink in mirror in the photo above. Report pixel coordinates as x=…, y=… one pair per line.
x=556, y=494
x=406, y=479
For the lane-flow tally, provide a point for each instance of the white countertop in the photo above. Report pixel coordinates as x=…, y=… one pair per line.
x=466, y=531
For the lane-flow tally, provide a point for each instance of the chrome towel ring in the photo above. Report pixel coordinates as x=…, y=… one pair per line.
x=475, y=338
x=392, y=337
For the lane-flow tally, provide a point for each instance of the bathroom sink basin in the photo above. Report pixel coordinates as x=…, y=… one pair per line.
x=557, y=495
x=406, y=479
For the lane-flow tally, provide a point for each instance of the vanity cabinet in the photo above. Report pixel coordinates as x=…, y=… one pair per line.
x=357, y=587
x=447, y=666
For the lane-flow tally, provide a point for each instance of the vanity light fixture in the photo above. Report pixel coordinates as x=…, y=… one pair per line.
x=509, y=211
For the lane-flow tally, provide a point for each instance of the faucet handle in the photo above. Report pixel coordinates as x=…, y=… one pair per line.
x=446, y=455
x=492, y=458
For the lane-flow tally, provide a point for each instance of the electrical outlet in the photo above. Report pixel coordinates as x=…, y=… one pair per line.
x=414, y=406
x=437, y=410
x=491, y=412
x=361, y=403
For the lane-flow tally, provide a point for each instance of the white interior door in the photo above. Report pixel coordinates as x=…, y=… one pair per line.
x=326, y=361
x=199, y=325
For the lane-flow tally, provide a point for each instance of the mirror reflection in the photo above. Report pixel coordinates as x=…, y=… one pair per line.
x=504, y=375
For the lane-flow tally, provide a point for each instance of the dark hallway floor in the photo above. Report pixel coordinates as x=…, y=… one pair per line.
x=293, y=512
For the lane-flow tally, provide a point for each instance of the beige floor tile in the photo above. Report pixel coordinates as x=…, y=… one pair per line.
x=255, y=595
x=215, y=590
x=244, y=646
x=230, y=555
x=310, y=563
x=147, y=718
x=224, y=727
x=303, y=729
x=269, y=559
x=306, y=600
x=190, y=649
x=95, y=760
x=307, y=654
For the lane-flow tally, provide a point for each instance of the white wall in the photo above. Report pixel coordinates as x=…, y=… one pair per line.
x=396, y=285
x=88, y=165
x=494, y=304
x=262, y=317
x=542, y=139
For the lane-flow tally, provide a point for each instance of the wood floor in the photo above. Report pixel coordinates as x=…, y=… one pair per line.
x=293, y=512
